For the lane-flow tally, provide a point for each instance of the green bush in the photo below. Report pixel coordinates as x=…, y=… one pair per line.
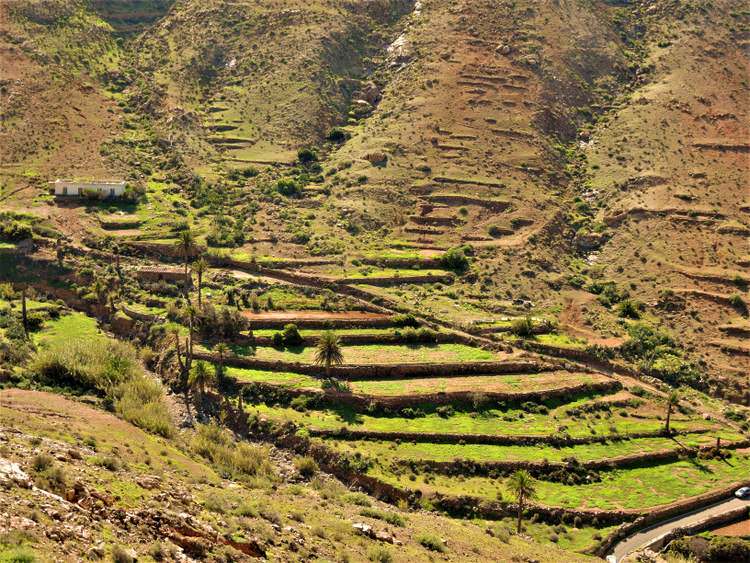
x=658, y=354
x=53, y=479
x=18, y=555
x=307, y=156
x=393, y=518
x=141, y=402
x=629, y=309
x=108, y=462
x=111, y=368
x=306, y=466
x=523, y=327
x=456, y=260
x=335, y=384
x=94, y=364
x=431, y=542
x=236, y=460
x=738, y=303
x=404, y=320
x=379, y=554
x=288, y=187
x=15, y=231
x=291, y=335
x=337, y=135
x=122, y=555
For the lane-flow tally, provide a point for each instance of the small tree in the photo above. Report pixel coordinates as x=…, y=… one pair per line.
x=200, y=267
x=329, y=352
x=521, y=484
x=672, y=400
x=200, y=378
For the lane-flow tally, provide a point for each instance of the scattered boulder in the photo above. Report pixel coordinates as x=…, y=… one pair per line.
x=361, y=108
x=11, y=475
x=588, y=241
x=503, y=49
x=367, y=531
x=376, y=158
x=369, y=92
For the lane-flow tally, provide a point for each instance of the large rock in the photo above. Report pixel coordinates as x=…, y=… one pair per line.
x=369, y=92
x=11, y=475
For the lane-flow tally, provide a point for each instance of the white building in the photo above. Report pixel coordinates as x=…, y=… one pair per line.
x=113, y=188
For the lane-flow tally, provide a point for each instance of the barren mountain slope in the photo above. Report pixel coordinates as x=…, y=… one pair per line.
x=54, y=115
x=256, y=80
x=670, y=168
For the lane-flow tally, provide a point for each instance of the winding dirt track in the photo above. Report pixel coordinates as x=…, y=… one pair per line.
x=648, y=535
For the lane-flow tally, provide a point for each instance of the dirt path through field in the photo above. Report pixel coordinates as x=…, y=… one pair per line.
x=571, y=320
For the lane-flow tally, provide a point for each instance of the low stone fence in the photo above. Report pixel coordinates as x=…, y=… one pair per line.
x=475, y=507
x=398, y=280
x=133, y=314
x=171, y=251
x=406, y=263
x=383, y=371
x=321, y=324
x=469, y=467
x=359, y=339
x=375, y=403
x=558, y=351
x=456, y=199
x=557, y=440
x=296, y=263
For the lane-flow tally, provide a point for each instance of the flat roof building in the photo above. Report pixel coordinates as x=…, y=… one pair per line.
x=103, y=189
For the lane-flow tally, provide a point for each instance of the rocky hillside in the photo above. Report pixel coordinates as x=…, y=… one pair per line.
x=98, y=488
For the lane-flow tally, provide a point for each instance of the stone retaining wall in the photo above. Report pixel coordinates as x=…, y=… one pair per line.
x=488, y=439
x=317, y=324
x=469, y=467
x=406, y=263
x=145, y=317
x=384, y=371
x=460, y=399
x=398, y=280
x=355, y=339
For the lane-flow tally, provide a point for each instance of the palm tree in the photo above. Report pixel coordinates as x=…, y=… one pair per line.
x=672, y=400
x=329, y=351
x=200, y=268
x=523, y=488
x=60, y=251
x=200, y=378
x=187, y=240
x=24, y=313
x=222, y=350
x=100, y=290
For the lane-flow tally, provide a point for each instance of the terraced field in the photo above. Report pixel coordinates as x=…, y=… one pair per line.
x=592, y=444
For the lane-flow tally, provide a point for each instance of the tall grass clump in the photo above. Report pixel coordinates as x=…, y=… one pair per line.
x=141, y=402
x=111, y=369
x=98, y=365
x=232, y=459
